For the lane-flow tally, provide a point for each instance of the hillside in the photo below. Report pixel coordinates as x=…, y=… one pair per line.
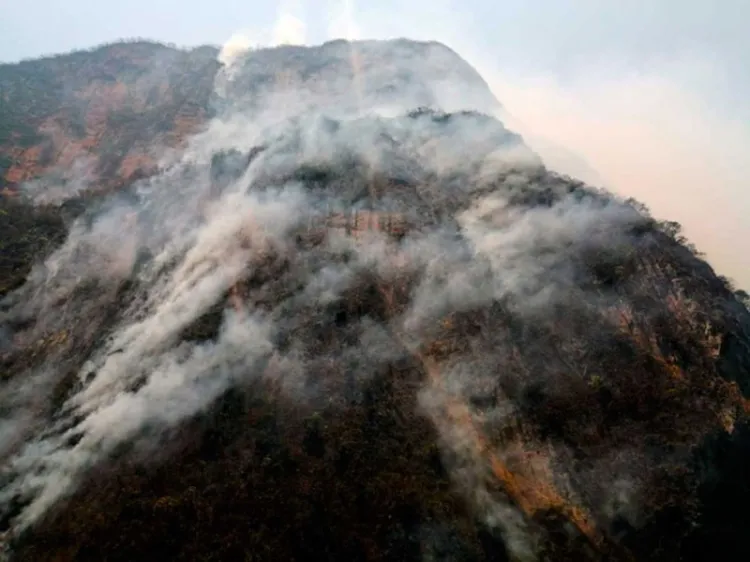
x=99, y=117
x=349, y=317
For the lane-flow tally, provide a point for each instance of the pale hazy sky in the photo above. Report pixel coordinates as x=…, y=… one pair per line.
x=653, y=94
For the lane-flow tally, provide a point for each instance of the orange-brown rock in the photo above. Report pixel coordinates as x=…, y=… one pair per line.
x=107, y=113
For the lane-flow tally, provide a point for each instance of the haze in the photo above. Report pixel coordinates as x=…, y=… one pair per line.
x=648, y=98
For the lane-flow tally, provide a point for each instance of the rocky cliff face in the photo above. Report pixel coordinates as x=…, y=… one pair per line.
x=340, y=323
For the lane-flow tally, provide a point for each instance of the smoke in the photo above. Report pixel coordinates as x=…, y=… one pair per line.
x=61, y=185
x=140, y=375
x=288, y=29
x=486, y=225
x=663, y=128
x=469, y=469
x=648, y=138
x=123, y=317
x=236, y=46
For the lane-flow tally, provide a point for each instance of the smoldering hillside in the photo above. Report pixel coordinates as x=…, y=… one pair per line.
x=342, y=324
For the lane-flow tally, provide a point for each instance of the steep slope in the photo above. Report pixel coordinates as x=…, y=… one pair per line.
x=341, y=326
x=99, y=117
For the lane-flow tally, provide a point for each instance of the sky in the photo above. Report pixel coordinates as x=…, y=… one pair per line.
x=652, y=96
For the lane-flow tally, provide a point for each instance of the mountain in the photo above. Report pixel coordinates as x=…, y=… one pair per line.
x=342, y=312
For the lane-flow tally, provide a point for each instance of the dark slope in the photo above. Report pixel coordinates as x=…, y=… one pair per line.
x=357, y=337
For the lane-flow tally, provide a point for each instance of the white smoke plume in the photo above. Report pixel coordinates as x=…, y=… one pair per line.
x=289, y=30
x=236, y=46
